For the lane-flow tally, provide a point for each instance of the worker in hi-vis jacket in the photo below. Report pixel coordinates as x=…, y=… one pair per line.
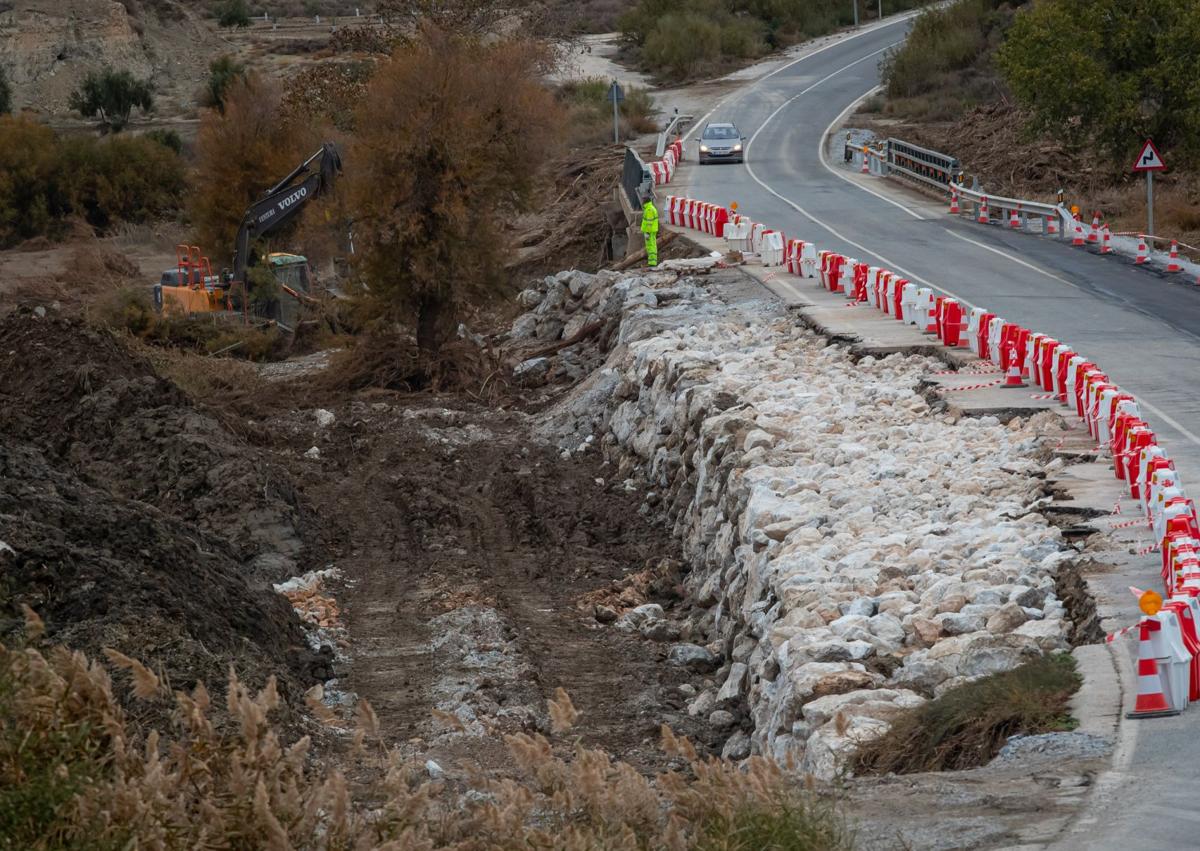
x=650, y=230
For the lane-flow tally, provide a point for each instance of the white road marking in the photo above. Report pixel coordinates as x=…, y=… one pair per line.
x=866, y=252
x=823, y=144
x=742, y=91
x=1016, y=260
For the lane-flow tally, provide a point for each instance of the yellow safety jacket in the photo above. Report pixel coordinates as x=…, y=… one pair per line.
x=649, y=218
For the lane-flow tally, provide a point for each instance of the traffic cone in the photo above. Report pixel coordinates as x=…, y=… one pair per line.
x=866, y=166
x=1151, y=701
x=1106, y=244
x=1052, y=225
x=1173, y=262
x=954, y=211
x=1014, y=221
x=1012, y=377
x=1078, y=240
x=983, y=210
x=1094, y=232
x=1143, y=255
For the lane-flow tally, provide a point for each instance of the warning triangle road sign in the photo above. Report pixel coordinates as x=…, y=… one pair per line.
x=1149, y=159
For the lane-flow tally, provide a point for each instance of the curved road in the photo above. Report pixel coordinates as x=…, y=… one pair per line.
x=1144, y=329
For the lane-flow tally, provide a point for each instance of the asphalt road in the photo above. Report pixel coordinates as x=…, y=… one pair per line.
x=1142, y=328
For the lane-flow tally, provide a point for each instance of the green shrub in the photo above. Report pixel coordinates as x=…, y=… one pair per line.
x=222, y=72
x=679, y=39
x=591, y=110
x=682, y=44
x=1116, y=71
x=112, y=96
x=967, y=726
x=169, y=139
x=130, y=179
x=233, y=13
x=30, y=197
x=44, y=180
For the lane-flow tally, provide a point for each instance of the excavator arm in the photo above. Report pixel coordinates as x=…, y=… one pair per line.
x=282, y=202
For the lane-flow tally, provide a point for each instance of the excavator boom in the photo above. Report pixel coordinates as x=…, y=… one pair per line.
x=282, y=202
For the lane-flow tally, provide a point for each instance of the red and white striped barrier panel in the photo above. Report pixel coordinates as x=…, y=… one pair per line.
x=1111, y=415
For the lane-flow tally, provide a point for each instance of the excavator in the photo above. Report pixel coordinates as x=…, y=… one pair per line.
x=191, y=287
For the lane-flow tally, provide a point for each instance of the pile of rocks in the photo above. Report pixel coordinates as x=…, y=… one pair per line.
x=853, y=552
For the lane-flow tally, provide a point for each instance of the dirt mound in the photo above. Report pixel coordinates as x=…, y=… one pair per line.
x=81, y=396
x=103, y=571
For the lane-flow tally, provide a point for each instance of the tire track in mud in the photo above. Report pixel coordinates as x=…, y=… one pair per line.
x=464, y=560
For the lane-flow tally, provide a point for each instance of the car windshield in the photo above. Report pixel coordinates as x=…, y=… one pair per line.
x=725, y=132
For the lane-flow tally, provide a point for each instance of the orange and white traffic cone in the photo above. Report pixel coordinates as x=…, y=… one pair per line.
x=1012, y=376
x=1106, y=244
x=1143, y=255
x=983, y=211
x=1151, y=701
x=954, y=211
x=1014, y=220
x=1078, y=239
x=1173, y=262
x=1052, y=225
x=1094, y=232
x=866, y=166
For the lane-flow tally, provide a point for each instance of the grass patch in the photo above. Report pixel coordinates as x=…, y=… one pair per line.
x=590, y=110
x=791, y=823
x=967, y=726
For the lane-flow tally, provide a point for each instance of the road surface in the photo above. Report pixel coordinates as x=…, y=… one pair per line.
x=1144, y=330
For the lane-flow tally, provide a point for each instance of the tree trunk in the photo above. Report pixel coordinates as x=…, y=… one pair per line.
x=429, y=325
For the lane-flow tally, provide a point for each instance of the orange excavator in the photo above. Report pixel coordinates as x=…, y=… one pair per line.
x=191, y=287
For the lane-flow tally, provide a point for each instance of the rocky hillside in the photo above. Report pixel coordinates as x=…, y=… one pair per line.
x=48, y=46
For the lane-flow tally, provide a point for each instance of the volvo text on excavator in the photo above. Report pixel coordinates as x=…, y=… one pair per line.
x=191, y=287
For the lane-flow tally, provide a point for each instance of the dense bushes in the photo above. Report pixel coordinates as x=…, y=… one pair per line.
x=945, y=66
x=44, y=180
x=679, y=39
x=1115, y=71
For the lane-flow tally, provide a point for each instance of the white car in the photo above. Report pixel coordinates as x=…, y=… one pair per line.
x=721, y=143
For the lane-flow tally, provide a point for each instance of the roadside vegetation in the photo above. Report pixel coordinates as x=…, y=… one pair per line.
x=1060, y=94
x=679, y=40
x=590, y=115
x=76, y=771
x=947, y=64
x=967, y=726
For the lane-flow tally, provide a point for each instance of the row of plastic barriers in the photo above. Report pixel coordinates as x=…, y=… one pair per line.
x=663, y=171
x=1168, y=638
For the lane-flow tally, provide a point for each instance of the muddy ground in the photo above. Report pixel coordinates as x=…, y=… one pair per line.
x=470, y=561
x=133, y=518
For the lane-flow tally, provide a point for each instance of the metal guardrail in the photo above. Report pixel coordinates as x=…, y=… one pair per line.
x=635, y=178
x=678, y=122
x=922, y=164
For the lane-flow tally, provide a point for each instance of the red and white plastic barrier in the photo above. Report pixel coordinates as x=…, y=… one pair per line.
x=1112, y=416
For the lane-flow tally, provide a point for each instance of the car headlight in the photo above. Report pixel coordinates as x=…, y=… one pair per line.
x=737, y=148
x=704, y=149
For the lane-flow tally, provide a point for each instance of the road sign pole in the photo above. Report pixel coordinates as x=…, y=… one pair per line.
x=616, y=124
x=855, y=2
x=1150, y=203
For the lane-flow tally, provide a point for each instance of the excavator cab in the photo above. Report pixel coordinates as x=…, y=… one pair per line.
x=190, y=287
